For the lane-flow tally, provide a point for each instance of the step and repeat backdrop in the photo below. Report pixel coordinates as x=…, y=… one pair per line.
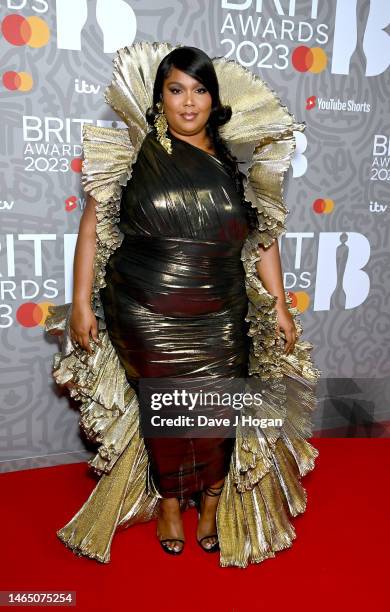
x=329, y=63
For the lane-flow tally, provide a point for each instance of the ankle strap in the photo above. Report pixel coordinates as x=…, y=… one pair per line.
x=213, y=491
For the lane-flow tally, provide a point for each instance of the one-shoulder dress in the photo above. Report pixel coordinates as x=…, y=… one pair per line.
x=175, y=300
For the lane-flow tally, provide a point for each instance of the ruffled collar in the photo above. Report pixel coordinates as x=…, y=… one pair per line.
x=259, y=133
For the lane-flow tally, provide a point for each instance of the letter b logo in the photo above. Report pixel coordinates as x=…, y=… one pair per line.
x=114, y=18
x=376, y=41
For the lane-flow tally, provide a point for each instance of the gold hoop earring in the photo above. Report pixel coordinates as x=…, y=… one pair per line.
x=161, y=125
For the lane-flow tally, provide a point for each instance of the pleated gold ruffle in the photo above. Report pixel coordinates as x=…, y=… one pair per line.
x=263, y=489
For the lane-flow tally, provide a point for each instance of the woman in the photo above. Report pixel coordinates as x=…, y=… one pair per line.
x=174, y=298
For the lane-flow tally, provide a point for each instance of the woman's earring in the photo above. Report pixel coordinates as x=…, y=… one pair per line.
x=161, y=125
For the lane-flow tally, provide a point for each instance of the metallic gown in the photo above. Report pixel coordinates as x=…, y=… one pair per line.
x=262, y=488
x=175, y=299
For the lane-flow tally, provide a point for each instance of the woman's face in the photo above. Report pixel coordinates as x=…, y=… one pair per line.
x=186, y=103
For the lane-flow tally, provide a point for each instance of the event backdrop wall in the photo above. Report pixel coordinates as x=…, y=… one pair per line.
x=327, y=60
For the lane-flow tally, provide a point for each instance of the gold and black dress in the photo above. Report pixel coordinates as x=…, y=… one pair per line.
x=176, y=295
x=175, y=301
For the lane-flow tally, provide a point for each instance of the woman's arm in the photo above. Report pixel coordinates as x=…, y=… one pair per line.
x=269, y=270
x=83, y=321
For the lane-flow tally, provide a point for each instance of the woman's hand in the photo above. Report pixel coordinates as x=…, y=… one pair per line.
x=269, y=269
x=286, y=323
x=83, y=323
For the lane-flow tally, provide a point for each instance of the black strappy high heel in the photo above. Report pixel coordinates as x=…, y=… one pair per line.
x=171, y=551
x=211, y=492
x=166, y=548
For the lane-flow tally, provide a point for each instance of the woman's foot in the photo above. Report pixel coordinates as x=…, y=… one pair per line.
x=206, y=533
x=169, y=526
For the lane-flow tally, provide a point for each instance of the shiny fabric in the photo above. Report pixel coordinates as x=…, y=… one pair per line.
x=175, y=300
x=263, y=488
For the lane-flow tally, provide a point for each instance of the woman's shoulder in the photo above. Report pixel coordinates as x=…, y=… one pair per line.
x=150, y=148
x=150, y=142
x=147, y=157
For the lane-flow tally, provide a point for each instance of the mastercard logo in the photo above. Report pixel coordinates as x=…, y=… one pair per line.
x=323, y=206
x=17, y=81
x=76, y=164
x=313, y=60
x=299, y=300
x=32, y=31
x=31, y=314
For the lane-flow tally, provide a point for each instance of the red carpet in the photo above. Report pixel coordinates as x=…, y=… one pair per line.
x=339, y=560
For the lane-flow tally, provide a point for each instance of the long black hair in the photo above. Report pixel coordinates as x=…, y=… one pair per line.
x=197, y=64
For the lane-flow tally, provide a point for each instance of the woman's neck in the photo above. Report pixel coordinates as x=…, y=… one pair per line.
x=200, y=140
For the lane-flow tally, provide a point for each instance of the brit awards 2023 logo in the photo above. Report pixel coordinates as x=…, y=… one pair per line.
x=53, y=144
x=26, y=300
x=283, y=33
